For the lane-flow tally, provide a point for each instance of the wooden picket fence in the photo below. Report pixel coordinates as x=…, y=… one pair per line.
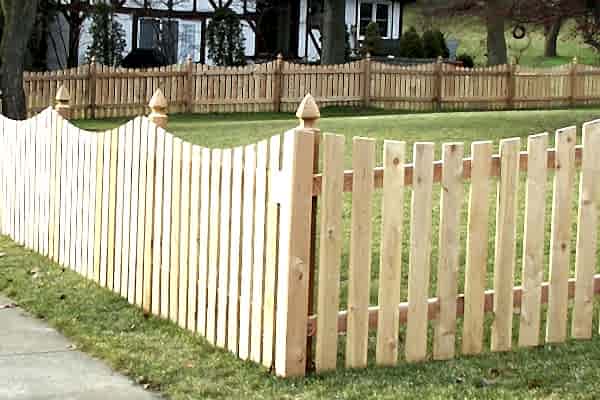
x=227, y=243
x=100, y=91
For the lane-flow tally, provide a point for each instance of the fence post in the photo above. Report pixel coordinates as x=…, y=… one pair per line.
x=295, y=199
x=277, y=76
x=438, y=84
x=573, y=79
x=512, y=84
x=308, y=114
x=62, y=105
x=158, y=106
x=367, y=77
x=92, y=88
x=189, y=97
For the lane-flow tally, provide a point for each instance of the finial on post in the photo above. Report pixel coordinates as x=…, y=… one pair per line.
x=574, y=61
x=62, y=100
x=308, y=112
x=158, y=105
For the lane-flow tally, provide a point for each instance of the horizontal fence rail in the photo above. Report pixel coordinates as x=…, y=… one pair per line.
x=100, y=91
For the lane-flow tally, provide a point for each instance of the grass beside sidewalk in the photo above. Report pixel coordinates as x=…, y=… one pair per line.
x=162, y=357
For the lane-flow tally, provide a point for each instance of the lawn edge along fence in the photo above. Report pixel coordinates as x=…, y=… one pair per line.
x=101, y=91
x=223, y=242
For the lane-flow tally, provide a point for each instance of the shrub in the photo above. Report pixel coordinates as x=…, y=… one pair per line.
x=108, y=36
x=431, y=45
x=467, y=60
x=442, y=43
x=224, y=38
x=411, y=44
x=372, y=40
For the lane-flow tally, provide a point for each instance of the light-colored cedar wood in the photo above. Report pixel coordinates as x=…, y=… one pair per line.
x=167, y=239
x=587, y=233
x=223, y=263
x=270, y=280
x=363, y=162
x=294, y=252
x=420, y=252
x=205, y=209
x=247, y=246
x=136, y=207
x=176, y=211
x=330, y=252
x=477, y=247
x=104, y=207
x=78, y=250
x=99, y=192
x=451, y=202
x=112, y=209
x=260, y=199
x=390, y=268
x=235, y=249
x=141, y=212
x=560, y=244
x=127, y=192
x=184, y=238
x=194, y=237
x=213, y=246
x=157, y=241
x=505, y=246
x=533, y=241
x=151, y=178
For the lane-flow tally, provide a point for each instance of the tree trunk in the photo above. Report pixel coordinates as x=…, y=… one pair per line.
x=496, y=42
x=19, y=16
x=551, y=33
x=333, y=32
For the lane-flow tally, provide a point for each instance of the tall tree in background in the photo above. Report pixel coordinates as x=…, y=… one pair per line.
x=108, y=36
x=19, y=16
x=495, y=20
x=333, y=32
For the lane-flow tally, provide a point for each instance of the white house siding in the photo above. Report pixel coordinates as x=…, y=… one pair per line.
x=306, y=46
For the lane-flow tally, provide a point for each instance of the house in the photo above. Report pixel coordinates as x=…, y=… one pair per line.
x=178, y=27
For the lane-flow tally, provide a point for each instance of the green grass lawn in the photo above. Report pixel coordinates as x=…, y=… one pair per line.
x=471, y=33
x=182, y=366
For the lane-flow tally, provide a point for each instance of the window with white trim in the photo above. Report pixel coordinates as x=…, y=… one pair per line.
x=379, y=12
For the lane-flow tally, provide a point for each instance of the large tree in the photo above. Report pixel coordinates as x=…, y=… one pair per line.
x=19, y=16
x=333, y=31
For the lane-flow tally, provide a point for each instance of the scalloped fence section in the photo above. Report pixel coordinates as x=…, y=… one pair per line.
x=99, y=91
x=248, y=248
x=211, y=239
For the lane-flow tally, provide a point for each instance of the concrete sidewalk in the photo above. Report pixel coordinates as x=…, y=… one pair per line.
x=36, y=363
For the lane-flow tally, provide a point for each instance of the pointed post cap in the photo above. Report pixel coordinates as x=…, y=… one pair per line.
x=308, y=112
x=62, y=95
x=158, y=100
x=158, y=104
x=62, y=99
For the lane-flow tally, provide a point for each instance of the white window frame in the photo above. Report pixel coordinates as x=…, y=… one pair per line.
x=374, y=16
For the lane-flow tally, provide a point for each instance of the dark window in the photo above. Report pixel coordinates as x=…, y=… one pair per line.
x=382, y=18
x=366, y=16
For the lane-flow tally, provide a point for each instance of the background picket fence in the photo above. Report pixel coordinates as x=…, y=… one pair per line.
x=244, y=246
x=100, y=91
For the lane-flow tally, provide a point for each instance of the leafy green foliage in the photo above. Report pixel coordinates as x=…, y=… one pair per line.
x=441, y=40
x=372, y=39
x=108, y=36
x=225, y=39
x=411, y=44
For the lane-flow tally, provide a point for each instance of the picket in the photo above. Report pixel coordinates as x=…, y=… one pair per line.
x=176, y=211
x=420, y=252
x=184, y=238
x=223, y=257
x=477, y=247
x=556, y=321
x=194, y=236
x=213, y=240
x=205, y=186
x=330, y=252
x=533, y=241
x=359, y=271
x=449, y=250
x=505, y=246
